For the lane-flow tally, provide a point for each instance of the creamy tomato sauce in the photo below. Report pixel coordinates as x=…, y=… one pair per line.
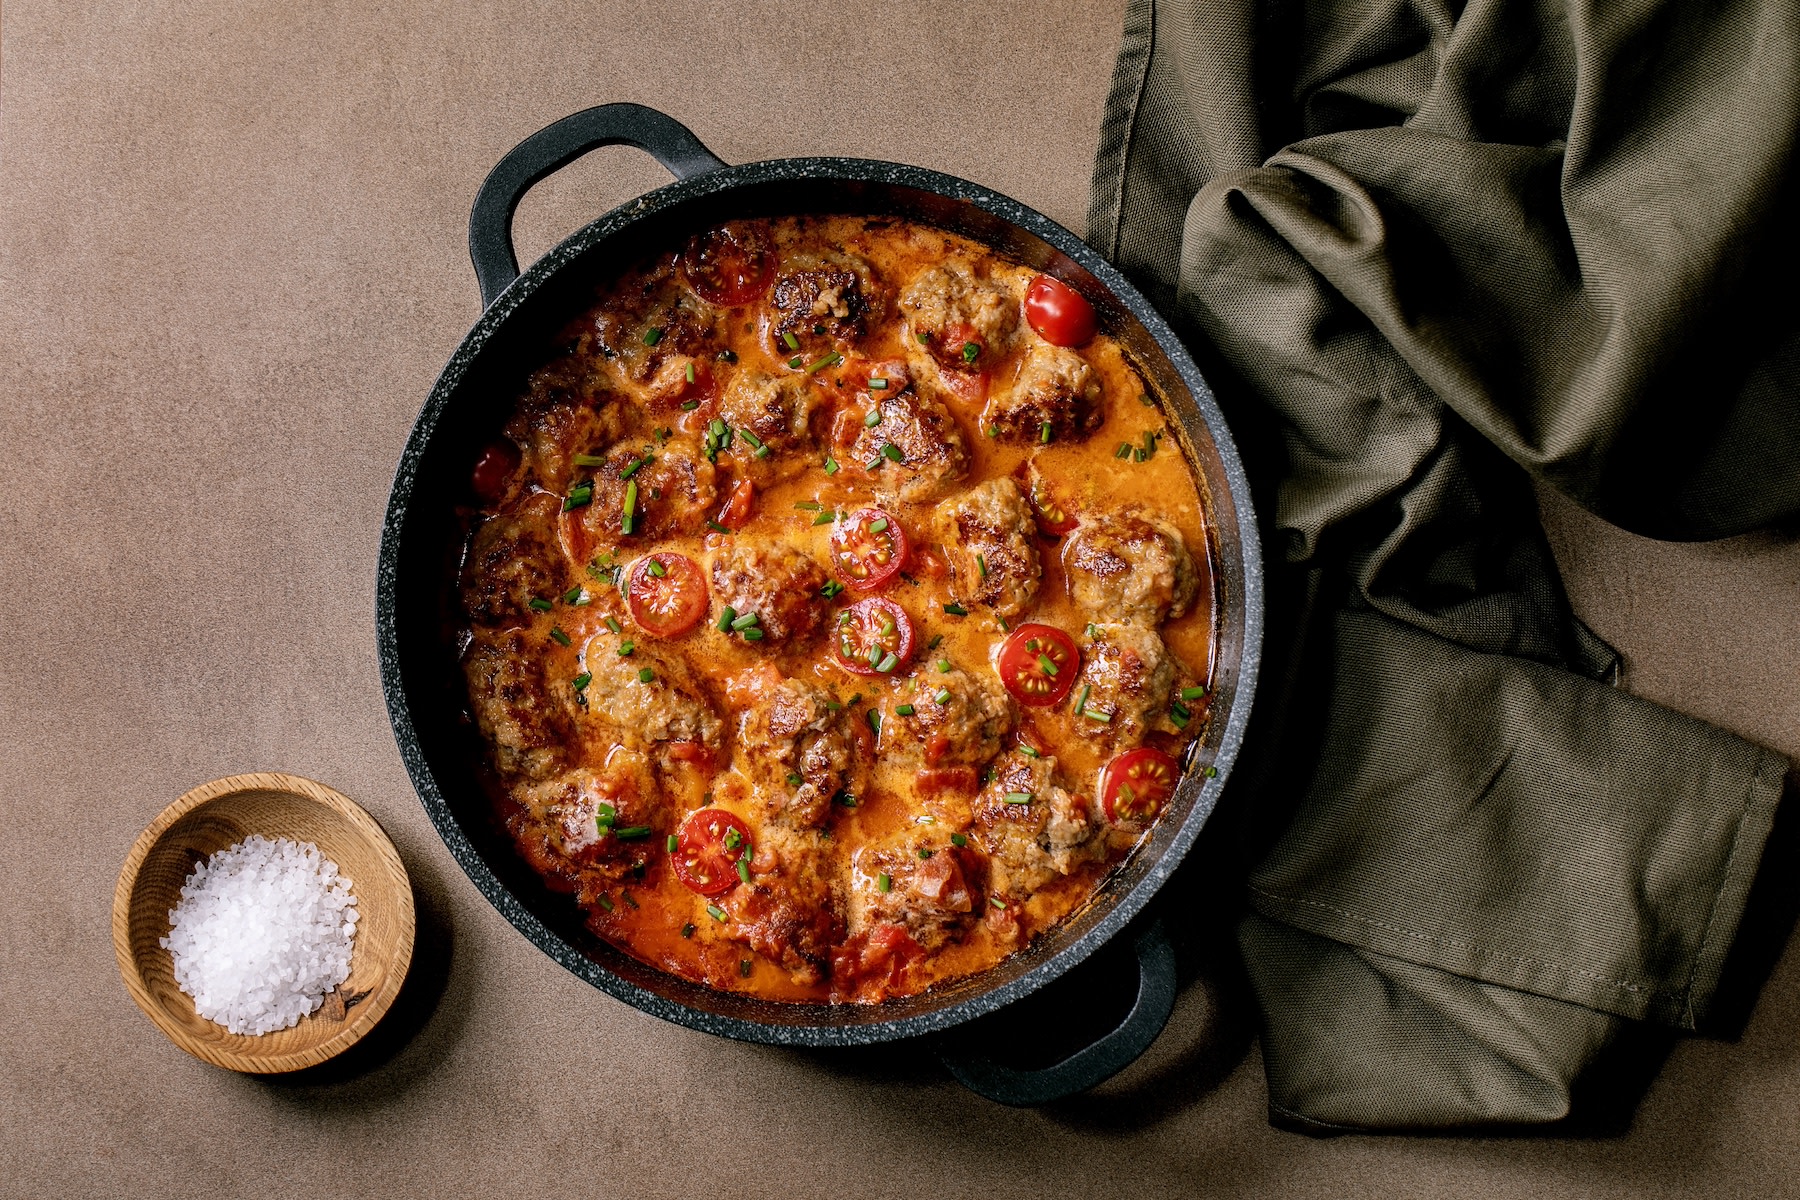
x=838, y=606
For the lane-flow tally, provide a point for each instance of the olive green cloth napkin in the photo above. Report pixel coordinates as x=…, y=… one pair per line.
x=1430, y=251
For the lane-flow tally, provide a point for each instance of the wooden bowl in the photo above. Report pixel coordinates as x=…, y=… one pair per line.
x=226, y=811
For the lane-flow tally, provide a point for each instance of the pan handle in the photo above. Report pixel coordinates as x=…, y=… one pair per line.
x=556, y=146
x=1094, y=1064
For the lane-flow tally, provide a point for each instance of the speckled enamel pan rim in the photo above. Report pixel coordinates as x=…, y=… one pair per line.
x=826, y=1032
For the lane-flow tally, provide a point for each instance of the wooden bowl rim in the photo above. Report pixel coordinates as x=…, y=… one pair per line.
x=369, y=1012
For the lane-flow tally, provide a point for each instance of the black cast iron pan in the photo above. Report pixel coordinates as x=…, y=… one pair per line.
x=471, y=401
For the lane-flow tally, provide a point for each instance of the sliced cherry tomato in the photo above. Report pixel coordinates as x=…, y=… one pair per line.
x=869, y=549
x=1135, y=785
x=727, y=266
x=1038, y=664
x=708, y=848
x=1052, y=516
x=494, y=470
x=1060, y=314
x=872, y=634
x=737, y=505
x=666, y=593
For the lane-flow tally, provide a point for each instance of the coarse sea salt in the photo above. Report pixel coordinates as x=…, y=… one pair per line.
x=262, y=933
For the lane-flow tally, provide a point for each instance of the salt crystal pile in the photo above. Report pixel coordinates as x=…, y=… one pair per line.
x=262, y=933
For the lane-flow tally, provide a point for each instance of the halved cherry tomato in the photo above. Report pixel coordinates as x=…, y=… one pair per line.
x=666, y=593
x=727, y=266
x=1135, y=785
x=708, y=848
x=1060, y=314
x=869, y=634
x=1038, y=664
x=869, y=549
x=737, y=505
x=494, y=469
x=1052, y=517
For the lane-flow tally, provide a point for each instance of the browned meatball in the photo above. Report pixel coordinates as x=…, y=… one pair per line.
x=822, y=301
x=677, y=493
x=513, y=559
x=776, y=582
x=625, y=708
x=928, y=454
x=1127, y=674
x=789, y=912
x=946, y=308
x=650, y=337
x=552, y=435
x=778, y=412
x=1129, y=567
x=799, y=752
x=927, y=890
x=1055, y=387
x=957, y=720
x=1032, y=827
x=567, y=826
x=989, y=536
x=519, y=712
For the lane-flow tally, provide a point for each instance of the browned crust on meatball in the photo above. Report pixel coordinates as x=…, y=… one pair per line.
x=792, y=733
x=1130, y=567
x=513, y=558
x=962, y=731
x=524, y=719
x=1129, y=674
x=823, y=300
x=1029, y=844
x=991, y=541
x=1055, y=387
x=933, y=455
x=625, y=709
x=930, y=889
x=777, y=582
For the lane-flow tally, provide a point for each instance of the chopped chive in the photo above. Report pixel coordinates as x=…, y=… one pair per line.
x=875, y=719
x=1044, y=433
x=632, y=468
x=1081, y=700
x=589, y=460
x=794, y=780
x=631, y=493
x=572, y=596
x=632, y=833
x=1180, y=716
x=690, y=377
x=716, y=913
x=981, y=562
x=671, y=843
x=556, y=634
x=887, y=664
x=796, y=362
x=657, y=569
x=888, y=627
x=1138, y=456
x=1193, y=693
x=718, y=528
x=873, y=419
x=744, y=622
x=1124, y=450
x=831, y=467
x=943, y=666
x=877, y=384
x=878, y=525
x=883, y=882
x=762, y=452
x=1049, y=667
x=753, y=635
x=625, y=649
x=612, y=623
x=824, y=518
x=1029, y=751
x=1091, y=630
x=743, y=873
x=1211, y=772
x=874, y=464
x=755, y=443
x=1102, y=717
x=957, y=839
x=793, y=343
x=875, y=652
x=924, y=852
x=653, y=335
x=893, y=452
x=717, y=428
x=956, y=610
x=537, y=605
x=993, y=431
x=1019, y=797
x=924, y=337
x=645, y=675
x=936, y=640
x=809, y=505
x=1180, y=711
x=605, y=815
x=578, y=496
x=582, y=680
x=626, y=896
x=970, y=350
x=832, y=588
x=726, y=618
x=996, y=901
x=733, y=839
x=905, y=710
x=847, y=799
x=689, y=405
x=829, y=360
x=942, y=698
x=606, y=902
x=687, y=930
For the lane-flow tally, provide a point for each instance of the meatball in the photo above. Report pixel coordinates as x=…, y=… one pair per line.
x=551, y=435
x=798, y=750
x=923, y=434
x=528, y=724
x=1129, y=567
x=513, y=559
x=677, y=490
x=989, y=539
x=1055, y=387
x=625, y=708
x=776, y=582
x=778, y=411
x=957, y=720
x=566, y=825
x=652, y=336
x=1032, y=827
x=927, y=891
x=1128, y=675
x=822, y=301
x=946, y=309
x=789, y=912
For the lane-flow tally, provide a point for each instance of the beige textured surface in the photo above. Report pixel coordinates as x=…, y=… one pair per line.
x=231, y=265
